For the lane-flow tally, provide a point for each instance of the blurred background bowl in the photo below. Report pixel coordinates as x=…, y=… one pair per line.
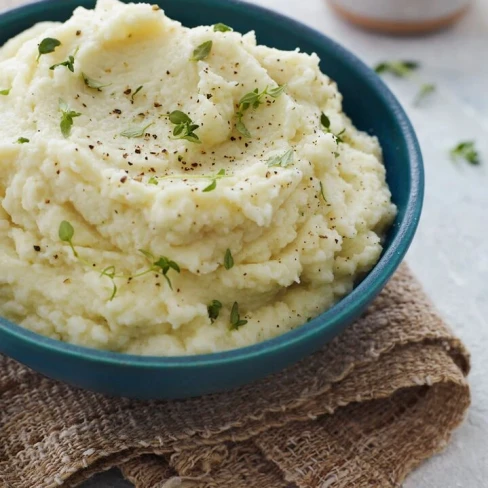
x=401, y=16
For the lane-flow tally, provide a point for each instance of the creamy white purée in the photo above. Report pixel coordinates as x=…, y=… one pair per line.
x=262, y=217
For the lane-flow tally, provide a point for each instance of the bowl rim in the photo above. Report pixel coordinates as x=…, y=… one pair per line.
x=330, y=319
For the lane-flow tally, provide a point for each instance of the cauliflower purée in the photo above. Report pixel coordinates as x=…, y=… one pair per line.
x=193, y=220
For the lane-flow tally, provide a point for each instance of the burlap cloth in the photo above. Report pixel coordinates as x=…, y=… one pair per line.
x=362, y=412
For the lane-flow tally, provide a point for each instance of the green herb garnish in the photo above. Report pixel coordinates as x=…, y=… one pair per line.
x=397, y=68
x=228, y=260
x=253, y=100
x=425, y=90
x=222, y=28
x=153, y=180
x=235, y=318
x=66, y=233
x=91, y=83
x=136, y=92
x=163, y=265
x=185, y=128
x=283, y=160
x=325, y=121
x=66, y=118
x=214, y=310
x=202, y=51
x=5, y=92
x=403, y=69
x=466, y=150
x=213, y=185
x=69, y=63
x=322, y=192
x=242, y=128
x=22, y=140
x=276, y=91
x=338, y=137
x=48, y=45
x=110, y=273
x=133, y=132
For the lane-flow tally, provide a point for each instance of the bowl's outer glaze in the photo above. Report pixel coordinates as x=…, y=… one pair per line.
x=372, y=108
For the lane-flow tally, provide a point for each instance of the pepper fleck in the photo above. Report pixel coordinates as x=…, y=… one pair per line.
x=37, y=248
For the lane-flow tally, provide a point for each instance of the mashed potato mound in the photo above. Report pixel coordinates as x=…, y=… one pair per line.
x=180, y=245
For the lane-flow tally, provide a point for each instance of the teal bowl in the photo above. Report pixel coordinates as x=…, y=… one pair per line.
x=371, y=106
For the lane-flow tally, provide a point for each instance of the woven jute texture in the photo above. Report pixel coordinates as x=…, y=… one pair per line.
x=362, y=412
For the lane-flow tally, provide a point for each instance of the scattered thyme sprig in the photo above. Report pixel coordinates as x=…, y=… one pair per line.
x=109, y=272
x=322, y=192
x=5, y=92
x=202, y=51
x=214, y=310
x=134, y=132
x=222, y=28
x=466, y=150
x=284, y=160
x=399, y=69
x=184, y=127
x=404, y=69
x=22, y=140
x=235, y=318
x=66, y=233
x=162, y=265
x=47, y=46
x=69, y=63
x=425, y=90
x=67, y=116
x=91, y=83
x=139, y=88
x=325, y=121
x=253, y=100
x=228, y=260
x=154, y=180
x=338, y=137
x=213, y=185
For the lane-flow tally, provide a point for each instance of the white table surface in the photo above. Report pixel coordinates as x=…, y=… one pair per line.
x=450, y=251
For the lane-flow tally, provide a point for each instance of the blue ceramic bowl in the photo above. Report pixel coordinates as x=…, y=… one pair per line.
x=372, y=108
